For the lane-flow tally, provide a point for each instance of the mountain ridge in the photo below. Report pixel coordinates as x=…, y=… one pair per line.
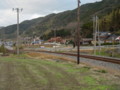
x=41, y=25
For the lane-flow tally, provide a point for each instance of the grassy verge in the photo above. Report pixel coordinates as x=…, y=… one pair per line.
x=108, y=52
x=22, y=73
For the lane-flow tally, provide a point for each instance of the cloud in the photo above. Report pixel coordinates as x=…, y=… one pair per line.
x=34, y=8
x=6, y=17
x=36, y=16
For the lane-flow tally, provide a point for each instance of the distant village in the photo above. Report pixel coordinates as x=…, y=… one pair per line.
x=105, y=37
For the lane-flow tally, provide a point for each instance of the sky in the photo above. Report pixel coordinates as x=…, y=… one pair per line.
x=34, y=8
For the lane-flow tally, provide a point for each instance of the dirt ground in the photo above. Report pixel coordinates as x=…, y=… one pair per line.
x=25, y=73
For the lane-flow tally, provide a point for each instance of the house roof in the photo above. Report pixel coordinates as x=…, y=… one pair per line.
x=118, y=38
x=103, y=34
x=112, y=37
x=87, y=39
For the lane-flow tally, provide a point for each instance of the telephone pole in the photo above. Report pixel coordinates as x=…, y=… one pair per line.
x=98, y=32
x=55, y=38
x=78, y=33
x=17, y=42
x=95, y=34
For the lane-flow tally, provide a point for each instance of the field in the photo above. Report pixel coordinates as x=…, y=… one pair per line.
x=25, y=73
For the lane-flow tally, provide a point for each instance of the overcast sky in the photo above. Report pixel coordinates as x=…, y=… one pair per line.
x=34, y=8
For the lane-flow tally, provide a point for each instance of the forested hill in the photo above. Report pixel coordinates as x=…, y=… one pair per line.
x=65, y=19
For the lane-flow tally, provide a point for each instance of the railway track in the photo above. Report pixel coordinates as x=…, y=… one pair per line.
x=105, y=59
x=98, y=58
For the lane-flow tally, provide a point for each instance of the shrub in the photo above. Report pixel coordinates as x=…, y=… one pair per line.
x=3, y=49
x=102, y=71
x=110, y=44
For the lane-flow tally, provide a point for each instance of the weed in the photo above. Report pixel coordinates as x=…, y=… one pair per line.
x=102, y=71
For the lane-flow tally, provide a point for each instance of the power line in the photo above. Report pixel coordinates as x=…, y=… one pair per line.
x=17, y=42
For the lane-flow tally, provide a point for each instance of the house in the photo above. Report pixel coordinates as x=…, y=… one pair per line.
x=31, y=41
x=36, y=41
x=118, y=38
x=26, y=40
x=57, y=40
x=104, y=36
x=111, y=38
x=86, y=41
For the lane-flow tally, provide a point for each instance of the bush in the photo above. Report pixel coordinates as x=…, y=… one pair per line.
x=21, y=47
x=110, y=43
x=3, y=49
x=102, y=71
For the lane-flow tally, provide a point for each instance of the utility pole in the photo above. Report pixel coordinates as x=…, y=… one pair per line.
x=119, y=43
x=17, y=42
x=113, y=41
x=96, y=32
x=78, y=33
x=99, y=41
x=96, y=27
x=55, y=38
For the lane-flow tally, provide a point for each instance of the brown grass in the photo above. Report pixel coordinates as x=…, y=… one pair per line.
x=48, y=56
x=84, y=51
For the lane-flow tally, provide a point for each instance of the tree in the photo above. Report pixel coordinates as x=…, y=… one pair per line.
x=87, y=30
x=3, y=49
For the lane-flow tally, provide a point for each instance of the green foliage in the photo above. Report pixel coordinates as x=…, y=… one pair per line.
x=3, y=49
x=110, y=43
x=102, y=71
x=59, y=33
x=89, y=80
x=21, y=47
x=87, y=30
x=111, y=22
x=70, y=42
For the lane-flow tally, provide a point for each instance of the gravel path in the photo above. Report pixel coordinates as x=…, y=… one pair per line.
x=101, y=64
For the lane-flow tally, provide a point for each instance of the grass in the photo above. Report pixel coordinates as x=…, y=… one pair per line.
x=89, y=80
x=106, y=52
x=74, y=70
x=22, y=73
x=102, y=53
x=102, y=71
